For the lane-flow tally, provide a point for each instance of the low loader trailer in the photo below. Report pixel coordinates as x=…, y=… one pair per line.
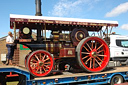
x=110, y=76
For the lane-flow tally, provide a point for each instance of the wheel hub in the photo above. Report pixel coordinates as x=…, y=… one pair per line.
x=116, y=80
x=94, y=54
x=81, y=36
x=41, y=63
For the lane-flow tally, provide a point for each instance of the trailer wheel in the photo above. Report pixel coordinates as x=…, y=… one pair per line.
x=40, y=63
x=93, y=54
x=117, y=79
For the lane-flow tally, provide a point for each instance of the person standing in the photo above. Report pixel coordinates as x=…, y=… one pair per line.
x=10, y=47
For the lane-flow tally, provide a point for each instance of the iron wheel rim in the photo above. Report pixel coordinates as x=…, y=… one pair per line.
x=94, y=58
x=40, y=63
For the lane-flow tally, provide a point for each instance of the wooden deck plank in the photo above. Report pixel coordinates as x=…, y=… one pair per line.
x=114, y=70
x=17, y=67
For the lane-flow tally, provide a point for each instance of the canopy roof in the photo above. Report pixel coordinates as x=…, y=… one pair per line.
x=61, y=21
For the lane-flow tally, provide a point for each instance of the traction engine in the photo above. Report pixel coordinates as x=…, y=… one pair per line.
x=69, y=42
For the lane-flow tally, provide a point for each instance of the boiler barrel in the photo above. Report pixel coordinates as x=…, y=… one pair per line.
x=52, y=47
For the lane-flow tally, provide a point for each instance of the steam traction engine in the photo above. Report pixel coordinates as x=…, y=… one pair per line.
x=71, y=41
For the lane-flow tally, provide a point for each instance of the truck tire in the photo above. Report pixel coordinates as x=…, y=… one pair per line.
x=92, y=54
x=117, y=79
x=40, y=63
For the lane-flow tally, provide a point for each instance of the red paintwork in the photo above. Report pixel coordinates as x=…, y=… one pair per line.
x=12, y=75
x=25, y=46
x=106, y=52
x=49, y=67
x=67, y=52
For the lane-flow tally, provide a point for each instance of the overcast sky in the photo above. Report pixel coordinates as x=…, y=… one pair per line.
x=116, y=10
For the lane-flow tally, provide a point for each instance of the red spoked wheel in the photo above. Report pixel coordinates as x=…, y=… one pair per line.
x=93, y=54
x=40, y=63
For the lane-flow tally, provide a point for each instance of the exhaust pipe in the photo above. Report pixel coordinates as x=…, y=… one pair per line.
x=38, y=8
x=38, y=13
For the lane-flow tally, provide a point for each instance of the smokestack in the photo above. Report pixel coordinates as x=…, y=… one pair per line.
x=38, y=8
x=38, y=13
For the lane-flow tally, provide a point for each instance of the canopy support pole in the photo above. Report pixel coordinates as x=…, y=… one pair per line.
x=14, y=30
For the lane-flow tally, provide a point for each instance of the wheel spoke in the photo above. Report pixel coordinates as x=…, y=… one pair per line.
x=103, y=55
x=99, y=47
x=99, y=59
x=93, y=63
x=44, y=69
x=43, y=57
x=37, y=69
x=33, y=60
x=46, y=59
x=87, y=60
x=85, y=53
x=100, y=51
x=90, y=62
x=33, y=65
x=40, y=70
x=92, y=44
x=88, y=46
x=95, y=44
x=85, y=57
x=40, y=56
x=37, y=57
x=97, y=62
x=47, y=66
x=47, y=63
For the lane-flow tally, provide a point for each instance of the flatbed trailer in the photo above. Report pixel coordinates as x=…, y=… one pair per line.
x=111, y=75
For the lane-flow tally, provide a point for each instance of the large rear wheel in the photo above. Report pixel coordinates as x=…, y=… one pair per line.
x=93, y=54
x=40, y=63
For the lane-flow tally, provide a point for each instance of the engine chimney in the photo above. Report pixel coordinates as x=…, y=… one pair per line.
x=38, y=8
x=38, y=13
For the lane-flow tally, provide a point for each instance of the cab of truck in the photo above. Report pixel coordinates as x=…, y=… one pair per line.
x=119, y=48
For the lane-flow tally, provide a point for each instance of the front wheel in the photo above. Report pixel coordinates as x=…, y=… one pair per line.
x=40, y=63
x=93, y=54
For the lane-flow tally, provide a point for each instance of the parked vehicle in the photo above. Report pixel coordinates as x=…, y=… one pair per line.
x=119, y=49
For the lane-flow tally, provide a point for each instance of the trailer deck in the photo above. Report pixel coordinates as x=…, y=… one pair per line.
x=84, y=78
x=70, y=74
x=69, y=77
